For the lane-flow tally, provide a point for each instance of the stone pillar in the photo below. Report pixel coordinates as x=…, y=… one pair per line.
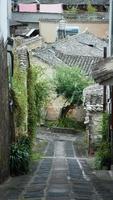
x=93, y=104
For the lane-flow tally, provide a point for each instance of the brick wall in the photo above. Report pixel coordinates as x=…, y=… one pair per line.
x=4, y=115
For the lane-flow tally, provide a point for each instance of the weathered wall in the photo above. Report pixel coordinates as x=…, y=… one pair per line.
x=97, y=28
x=93, y=104
x=31, y=43
x=54, y=109
x=4, y=115
x=48, y=30
x=20, y=89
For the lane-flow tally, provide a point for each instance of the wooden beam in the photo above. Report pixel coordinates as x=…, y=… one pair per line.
x=112, y=125
x=104, y=87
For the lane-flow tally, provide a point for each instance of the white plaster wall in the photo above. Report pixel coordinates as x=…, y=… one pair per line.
x=48, y=30
x=5, y=15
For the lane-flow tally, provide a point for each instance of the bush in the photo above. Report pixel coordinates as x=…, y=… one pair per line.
x=32, y=119
x=66, y=123
x=91, y=9
x=20, y=156
x=103, y=156
x=38, y=93
x=19, y=94
x=70, y=82
x=105, y=126
x=42, y=88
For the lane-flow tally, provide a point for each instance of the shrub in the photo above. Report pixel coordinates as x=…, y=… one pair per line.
x=19, y=94
x=105, y=126
x=42, y=88
x=20, y=156
x=28, y=100
x=70, y=83
x=38, y=94
x=103, y=154
x=31, y=81
x=91, y=9
x=66, y=123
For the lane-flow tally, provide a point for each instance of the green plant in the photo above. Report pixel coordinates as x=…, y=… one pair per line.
x=72, y=10
x=20, y=156
x=19, y=94
x=38, y=94
x=91, y=9
x=103, y=154
x=36, y=156
x=42, y=96
x=31, y=81
x=70, y=82
x=66, y=123
x=105, y=126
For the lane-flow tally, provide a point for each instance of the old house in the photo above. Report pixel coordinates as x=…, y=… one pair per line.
x=5, y=14
x=44, y=14
x=39, y=17
x=100, y=5
x=85, y=50
x=103, y=75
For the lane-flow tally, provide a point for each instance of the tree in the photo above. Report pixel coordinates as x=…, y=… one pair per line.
x=42, y=90
x=70, y=83
x=91, y=9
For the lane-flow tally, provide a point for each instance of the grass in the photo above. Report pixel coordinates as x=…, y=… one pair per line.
x=37, y=151
x=81, y=145
x=36, y=156
x=66, y=123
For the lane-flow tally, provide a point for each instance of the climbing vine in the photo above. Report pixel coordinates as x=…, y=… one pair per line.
x=103, y=154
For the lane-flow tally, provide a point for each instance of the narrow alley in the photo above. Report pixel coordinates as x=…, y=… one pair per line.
x=60, y=175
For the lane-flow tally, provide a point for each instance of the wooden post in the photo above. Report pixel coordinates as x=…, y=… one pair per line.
x=112, y=125
x=111, y=87
x=104, y=88
x=111, y=28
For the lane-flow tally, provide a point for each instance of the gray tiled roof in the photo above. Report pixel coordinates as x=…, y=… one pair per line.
x=83, y=44
x=103, y=71
x=95, y=2
x=74, y=51
x=56, y=58
x=85, y=63
x=48, y=56
x=26, y=1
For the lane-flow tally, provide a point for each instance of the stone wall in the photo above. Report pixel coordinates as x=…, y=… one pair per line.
x=21, y=72
x=31, y=43
x=93, y=104
x=54, y=108
x=4, y=115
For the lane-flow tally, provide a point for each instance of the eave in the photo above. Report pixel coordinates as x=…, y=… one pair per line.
x=102, y=72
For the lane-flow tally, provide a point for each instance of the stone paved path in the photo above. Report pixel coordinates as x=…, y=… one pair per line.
x=60, y=176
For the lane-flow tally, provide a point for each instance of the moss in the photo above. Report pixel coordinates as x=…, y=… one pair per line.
x=103, y=154
x=31, y=103
x=66, y=123
x=20, y=99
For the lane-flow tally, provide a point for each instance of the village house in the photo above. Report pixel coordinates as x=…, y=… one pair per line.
x=103, y=75
x=100, y=5
x=5, y=134
x=85, y=50
x=43, y=14
x=32, y=16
